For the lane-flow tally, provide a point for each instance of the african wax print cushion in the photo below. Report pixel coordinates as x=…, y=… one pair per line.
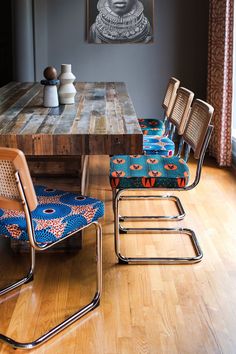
x=151, y=126
x=57, y=215
x=160, y=146
x=148, y=171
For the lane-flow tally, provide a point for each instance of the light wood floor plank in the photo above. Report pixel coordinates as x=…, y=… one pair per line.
x=150, y=309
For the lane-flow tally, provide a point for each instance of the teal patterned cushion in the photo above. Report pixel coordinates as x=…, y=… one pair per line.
x=148, y=171
x=151, y=126
x=160, y=146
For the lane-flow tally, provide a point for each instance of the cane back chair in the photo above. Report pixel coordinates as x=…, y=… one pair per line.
x=164, y=146
x=177, y=120
x=159, y=173
x=43, y=217
x=157, y=127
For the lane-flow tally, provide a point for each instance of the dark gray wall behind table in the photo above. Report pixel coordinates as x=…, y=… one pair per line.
x=179, y=49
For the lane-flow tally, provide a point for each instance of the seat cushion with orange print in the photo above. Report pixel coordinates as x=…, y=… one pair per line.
x=162, y=146
x=148, y=171
x=57, y=215
x=152, y=126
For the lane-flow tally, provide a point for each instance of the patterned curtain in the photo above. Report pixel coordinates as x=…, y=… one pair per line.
x=220, y=77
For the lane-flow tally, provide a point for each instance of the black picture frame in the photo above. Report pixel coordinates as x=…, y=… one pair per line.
x=93, y=12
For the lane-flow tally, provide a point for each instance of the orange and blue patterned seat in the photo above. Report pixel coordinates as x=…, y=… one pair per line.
x=161, y=146
x=58, y=214
x=148, y=171
x=152, y=126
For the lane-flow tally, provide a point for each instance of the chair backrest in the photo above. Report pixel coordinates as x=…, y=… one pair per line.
x=181, y=109
x=170, y=95
x=12, y=161
x=197, y=125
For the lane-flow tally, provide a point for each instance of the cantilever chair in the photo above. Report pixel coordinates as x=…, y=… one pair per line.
x=164, y=146
x=157, y=173
x=157, y=127
x=43, y=217
x=176, y=121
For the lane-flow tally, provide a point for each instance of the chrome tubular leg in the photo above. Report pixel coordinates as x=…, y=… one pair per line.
x=154, y=260
x=99, y=260
x=25, y=279
x=168, y=260
x=181, y=212
x=84, y=310
x=116, y=226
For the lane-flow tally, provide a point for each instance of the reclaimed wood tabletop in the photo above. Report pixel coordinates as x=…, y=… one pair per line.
x=102, y=121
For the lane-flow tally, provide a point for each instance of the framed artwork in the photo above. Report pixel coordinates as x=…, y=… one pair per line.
x=120, y=21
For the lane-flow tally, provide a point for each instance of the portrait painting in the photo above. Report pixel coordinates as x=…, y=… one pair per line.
x=120, y=21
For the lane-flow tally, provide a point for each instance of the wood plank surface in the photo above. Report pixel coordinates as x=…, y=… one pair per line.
x=169, y=309
x=102, y=121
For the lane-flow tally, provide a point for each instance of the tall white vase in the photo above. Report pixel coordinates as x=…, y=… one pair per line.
x=66, y=90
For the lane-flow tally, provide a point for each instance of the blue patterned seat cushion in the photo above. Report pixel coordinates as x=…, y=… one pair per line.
x=58, y=214
x=151, y=126
x=160, y=146
x=148, y=171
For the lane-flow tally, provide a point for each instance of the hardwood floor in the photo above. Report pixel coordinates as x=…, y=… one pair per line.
x=144, y=309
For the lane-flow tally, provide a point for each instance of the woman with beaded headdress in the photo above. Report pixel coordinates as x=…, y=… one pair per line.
x=120, y=21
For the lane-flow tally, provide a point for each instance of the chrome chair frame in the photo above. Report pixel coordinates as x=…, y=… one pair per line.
x=118, y=229
x=181, y=212
x=172, y=123
x=34, y=246
x=179, y=206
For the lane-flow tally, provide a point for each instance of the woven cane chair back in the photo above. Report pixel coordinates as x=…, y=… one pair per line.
x=181, y=109
x=197, y=125
x=170, y=95
x=12, y=161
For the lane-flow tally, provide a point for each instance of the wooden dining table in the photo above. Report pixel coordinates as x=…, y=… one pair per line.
x=56, y=141
x=101, y=121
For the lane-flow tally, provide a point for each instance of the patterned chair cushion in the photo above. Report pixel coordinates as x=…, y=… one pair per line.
x=152, y=126
x=58, y=214
x=160, y=146
x=148, y=171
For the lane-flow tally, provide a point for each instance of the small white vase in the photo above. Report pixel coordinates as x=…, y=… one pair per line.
x=50, y=96
x=66, y=90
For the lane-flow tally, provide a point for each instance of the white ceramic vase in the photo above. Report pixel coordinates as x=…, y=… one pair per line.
x=50, y=96
x=66, y=90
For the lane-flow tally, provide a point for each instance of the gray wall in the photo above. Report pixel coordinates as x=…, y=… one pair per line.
x=23, y=40
x=179, y=49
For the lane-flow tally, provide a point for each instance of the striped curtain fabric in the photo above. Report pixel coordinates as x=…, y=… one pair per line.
x=220, y=77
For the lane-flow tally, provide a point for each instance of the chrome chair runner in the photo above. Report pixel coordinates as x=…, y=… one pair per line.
x=196, y=136
x=73, y=318
x=19, y=202
x=181, y=212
